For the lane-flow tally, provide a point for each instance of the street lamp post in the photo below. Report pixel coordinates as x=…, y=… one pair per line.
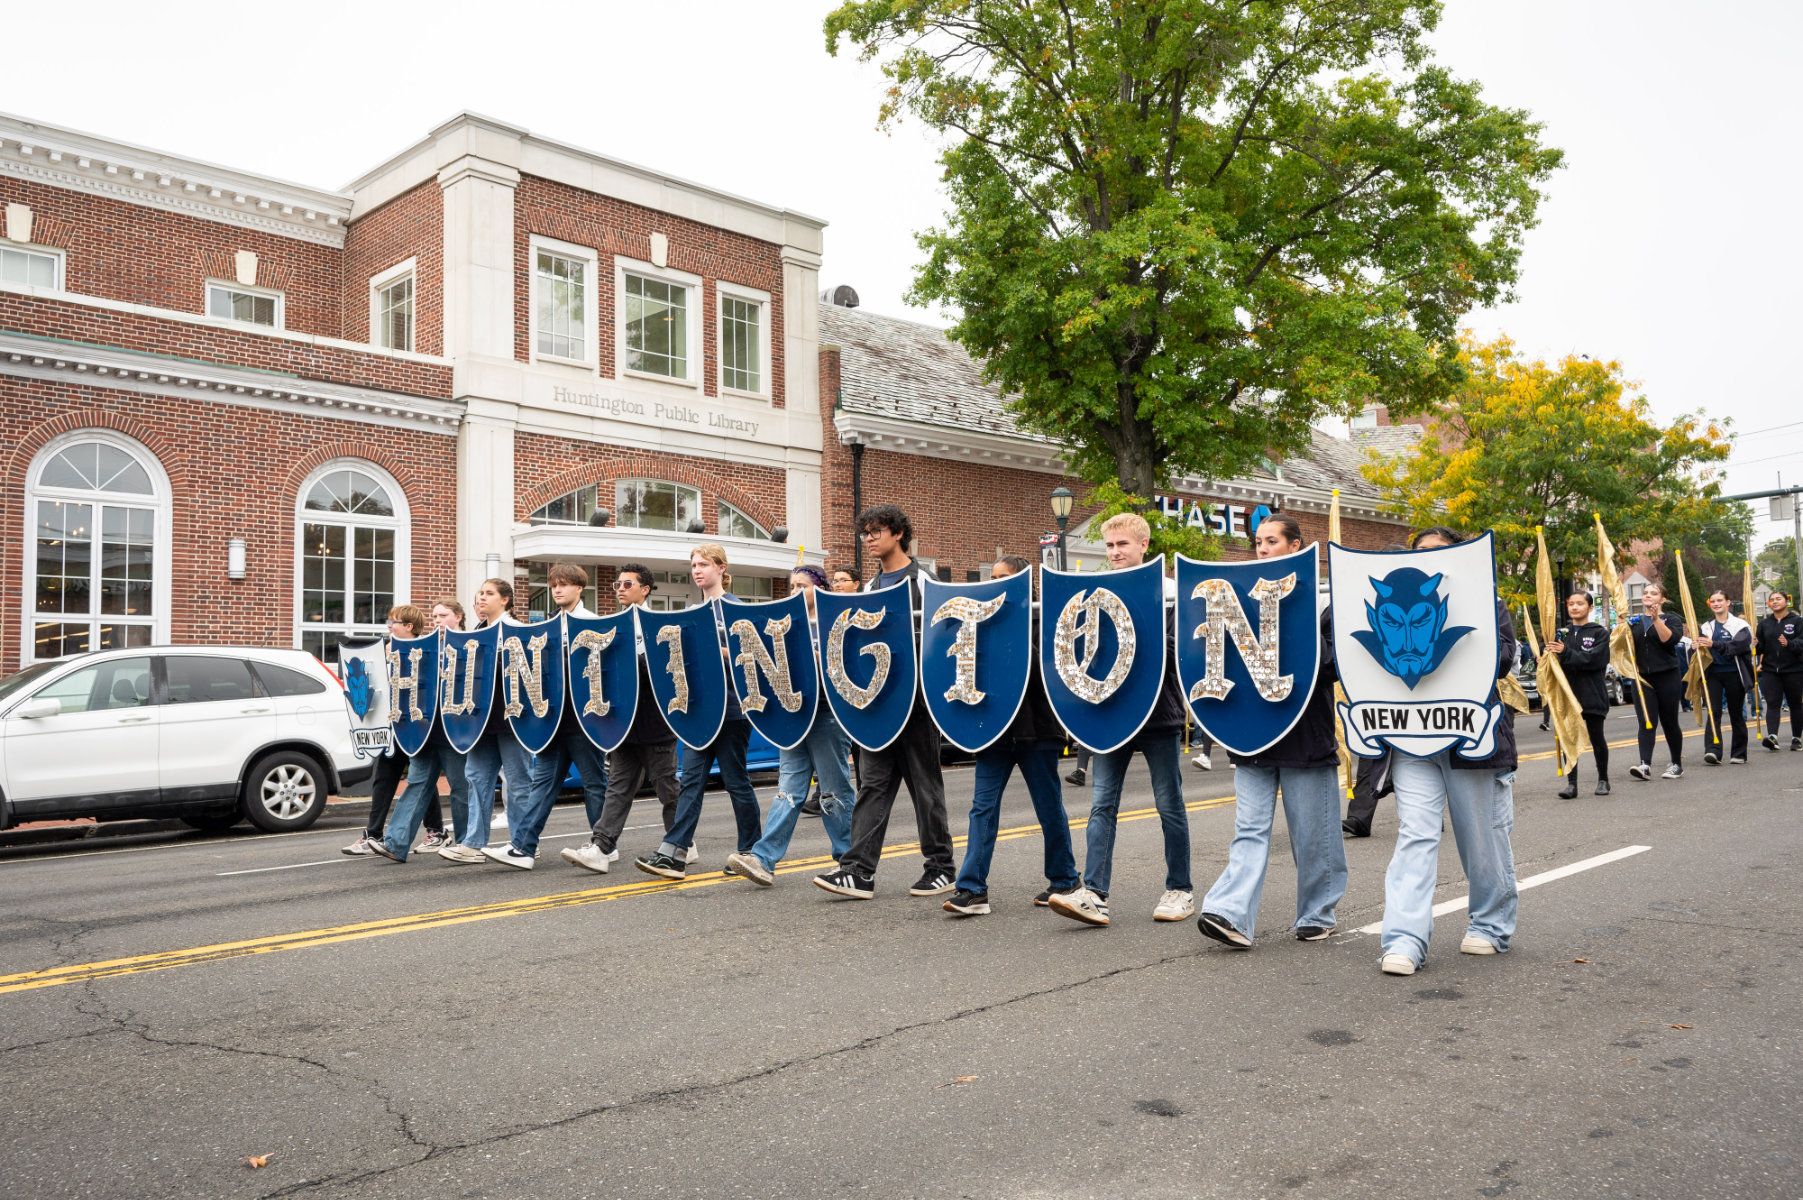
x=1061, y=512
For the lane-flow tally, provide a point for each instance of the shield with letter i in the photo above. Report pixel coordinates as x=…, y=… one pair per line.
x=468, y=696
x=604, y=676
x=1248, y=645
x=867, y=660
x=1102, y=650
x=687, y=668
x=363, y=668
x=413, y=670
x=976, y=652
x=1415, y=642
x=532, y=680
x=773, y=670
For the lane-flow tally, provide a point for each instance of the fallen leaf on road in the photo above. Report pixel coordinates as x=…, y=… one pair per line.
x=1624, y=1060
x=959, y=1079
x=257, y=1160
x=1580, y=960
x=1678, y=1027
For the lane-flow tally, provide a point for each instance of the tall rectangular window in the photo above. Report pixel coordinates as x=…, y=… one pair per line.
x=740, y=344
x=562, y=301
x=657, y=327
x=28, y=267
x=394, y=314
x=240, y=304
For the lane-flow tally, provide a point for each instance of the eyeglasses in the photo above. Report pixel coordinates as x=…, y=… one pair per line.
x=626, y=583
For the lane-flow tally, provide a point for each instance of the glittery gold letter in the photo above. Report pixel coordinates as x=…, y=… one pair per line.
x=753, y=657
x=594, y=642
x=525, y=663
x=857, y=697
x=671, y=636
x=408, y=683
x=1227, y=619
x=969, y=614
x=1082, y=619
x=450, y=706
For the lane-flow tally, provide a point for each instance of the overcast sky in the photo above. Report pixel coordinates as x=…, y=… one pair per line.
x=1668, y=242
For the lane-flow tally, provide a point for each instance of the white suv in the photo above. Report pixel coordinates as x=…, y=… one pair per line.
x=210, y=734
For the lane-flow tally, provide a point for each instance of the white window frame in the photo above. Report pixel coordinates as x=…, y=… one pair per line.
x=377, y=285
x=403, y=537
x=627, y=480
x=162, y=573
x=226, y=285
x=50, y=252
x=591, y=302
x=723, y=289
x=691, y=284
x=762, y=535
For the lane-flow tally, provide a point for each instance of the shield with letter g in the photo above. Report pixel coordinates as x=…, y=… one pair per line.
x=687, y=669
x=470, y=670
x=1102, y=650
x=604, y=676
x=976, y=652
x=532, y=680
x=413, y=670
x=1248, y=645
x=773, y=669
x=1414, y=639
x=867, y=658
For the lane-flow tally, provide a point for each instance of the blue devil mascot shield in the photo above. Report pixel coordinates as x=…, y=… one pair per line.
x=468, y=691
x=685, y=658
x=363, y=666
x=604, y=676
x=773, y=670
x=1102, y=650
x=976, y=651
x=532, y=680
x=413, y=673
x=867, y=655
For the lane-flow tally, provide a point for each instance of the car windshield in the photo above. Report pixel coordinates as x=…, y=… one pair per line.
x=17, y=682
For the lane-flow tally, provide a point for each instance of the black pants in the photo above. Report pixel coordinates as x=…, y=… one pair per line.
x=629, y=765
x=912, y=758
x=1778, y=691
x=391, y=772
x=1731, y=689
x=1599, y=745
x=1662, y=692
x=1363, y=805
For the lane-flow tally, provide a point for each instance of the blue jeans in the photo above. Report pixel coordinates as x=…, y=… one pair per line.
x=434, y=759
x=1038, y=763
x=1163, y=756
x=822, y=753
x=498, y=754
x=728, y=749
x=1311, y=809
x=527, y=820
x=1482, y=807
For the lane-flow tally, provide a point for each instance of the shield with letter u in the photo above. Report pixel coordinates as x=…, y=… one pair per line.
x=1248, y=645
x=413, y=668
x=532, y=680
x=867, y=658
x=604, y=676
x=1102, y=650
x=773, y=668
x=468, y=689
x=687, y=670
x=976, y=653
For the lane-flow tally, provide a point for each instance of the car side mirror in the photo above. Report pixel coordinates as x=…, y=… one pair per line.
x=33, y=710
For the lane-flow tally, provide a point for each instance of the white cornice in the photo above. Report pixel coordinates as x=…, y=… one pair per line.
x=84, y=162
x=654, y=548
x=66, y=362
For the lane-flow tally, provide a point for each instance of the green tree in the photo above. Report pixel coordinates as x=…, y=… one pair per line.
x=1523, y=444
x=1780, y=557
x=1170, y=534
x=1179, y=231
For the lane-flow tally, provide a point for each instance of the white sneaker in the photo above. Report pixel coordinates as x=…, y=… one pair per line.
x=692, y=855
x=461, y=854
x=500, y=822
x=360, y=846
x=615, y=856
x=1475, y=944
x=1081, y=905
x=1641, y=771
x=508, y=856
x=1202, y=760
x=749, y=867
x=1175, y=906
x=588, y=856
x=1397, y=964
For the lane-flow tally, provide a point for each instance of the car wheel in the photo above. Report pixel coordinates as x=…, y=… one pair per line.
x=284, y=791
x=214, y=821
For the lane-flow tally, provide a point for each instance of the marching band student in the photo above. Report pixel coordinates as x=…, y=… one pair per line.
x=436, y=757
x=912, y=757
x=497, y=754
x=526, y=821
x=1480, y=797
x=707, y=567
x=447, y=614
x=647, y=753
x=1032, y=743
x=1304, y=765
x=1657, y=635
x=1126, y=537
x=845, y=580
x=1583, y=650
x=1728, y=640
x=821, y=755
x=1780, y=642
x=404, y=621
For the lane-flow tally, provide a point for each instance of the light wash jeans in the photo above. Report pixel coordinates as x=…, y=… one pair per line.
x=434, y=759
x=526, y=819
x=1164, y=758
x=1038, y=763
x=499, y=754
x=1482, y=807
x=822, y=754
x=1311, y=810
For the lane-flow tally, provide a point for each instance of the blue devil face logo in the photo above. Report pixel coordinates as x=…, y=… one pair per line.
x=356, y=687
x=1408, y=634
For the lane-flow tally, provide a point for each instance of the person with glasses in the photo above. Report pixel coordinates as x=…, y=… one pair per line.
x=404, y=621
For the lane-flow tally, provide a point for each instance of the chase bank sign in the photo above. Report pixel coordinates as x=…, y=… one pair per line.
x=1227, y=520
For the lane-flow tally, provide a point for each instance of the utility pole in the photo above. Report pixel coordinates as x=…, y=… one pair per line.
x=1796, y=518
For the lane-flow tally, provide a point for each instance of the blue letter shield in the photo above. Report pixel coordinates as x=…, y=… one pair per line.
x=976, y=652
x=774, y=673
x=686, y=662
x=532, y=680
x=413, y=690
x=867, y=660
x=470, y=670
x=1102, y=650
x=604, y=676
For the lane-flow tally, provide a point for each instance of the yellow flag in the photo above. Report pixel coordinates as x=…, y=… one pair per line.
x=1565, y=714
x=1752, y=618
x=1695, y=690
x=1339, y=693
x=1621, y=634
x=1548, y=600
x=1333, y=518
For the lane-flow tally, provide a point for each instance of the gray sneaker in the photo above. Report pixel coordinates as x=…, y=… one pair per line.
x=360, y=846
x=747, y=866
x=1675, y=771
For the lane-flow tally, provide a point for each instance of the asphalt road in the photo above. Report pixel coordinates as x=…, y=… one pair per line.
x=174, y=1004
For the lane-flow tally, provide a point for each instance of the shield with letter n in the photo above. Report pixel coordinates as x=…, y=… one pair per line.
x=1414, y=639
x=867, y=658
x=413, y=669
x=468, y=689
x=604, y=676
x=532, y=680
x=363, y=668
x=687, y=667
x=1102, y=650
x=772, y=667
x=1248, y=645
x=976, y=652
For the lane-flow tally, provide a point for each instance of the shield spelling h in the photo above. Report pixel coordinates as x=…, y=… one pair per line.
x=413, y=670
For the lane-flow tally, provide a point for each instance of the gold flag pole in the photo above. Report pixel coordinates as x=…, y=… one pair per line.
x=1339, y=693
x=1752, y=618
x=1696, y=690
x=1621, y=633
x=1563, y=711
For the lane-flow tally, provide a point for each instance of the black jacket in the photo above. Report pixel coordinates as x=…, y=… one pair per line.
x=1586, y=661
x=1503, y=759
x=1775, y=659
x=1730, y=658
x=1310, y=742
x=1036, y=722
x=1652, y=656
x=648, y=726
x=1171, y=712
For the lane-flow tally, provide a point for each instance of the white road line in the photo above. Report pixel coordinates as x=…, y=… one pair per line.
x=1601, y=860
x=291, y=866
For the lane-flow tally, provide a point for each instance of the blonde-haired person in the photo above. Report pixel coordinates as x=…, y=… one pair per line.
x=1657, y=634
x=707, y=568
x=404, y=621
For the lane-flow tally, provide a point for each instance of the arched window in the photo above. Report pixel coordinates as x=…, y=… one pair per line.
x=352, y=555
x=571, y=508
x=97, y=559
x=734, y=523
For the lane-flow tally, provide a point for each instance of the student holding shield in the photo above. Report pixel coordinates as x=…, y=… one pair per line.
x=497, y=754
x=406, y=621
x=437, y=757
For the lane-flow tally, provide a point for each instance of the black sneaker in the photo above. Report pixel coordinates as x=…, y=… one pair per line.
x=845, y=883
x=1641, y=772
x=1222, y=931
x=1712, y=758
x=1044, y=899
x=1353, y=829
x=1602, y=787
x=1313, y=933
x=666, y=865
x=811, y=806
x=932, y=883
x=1769, y=742
x=1796, y=743
x=1079, y=777
x=968, y=904
x=1571, y=788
